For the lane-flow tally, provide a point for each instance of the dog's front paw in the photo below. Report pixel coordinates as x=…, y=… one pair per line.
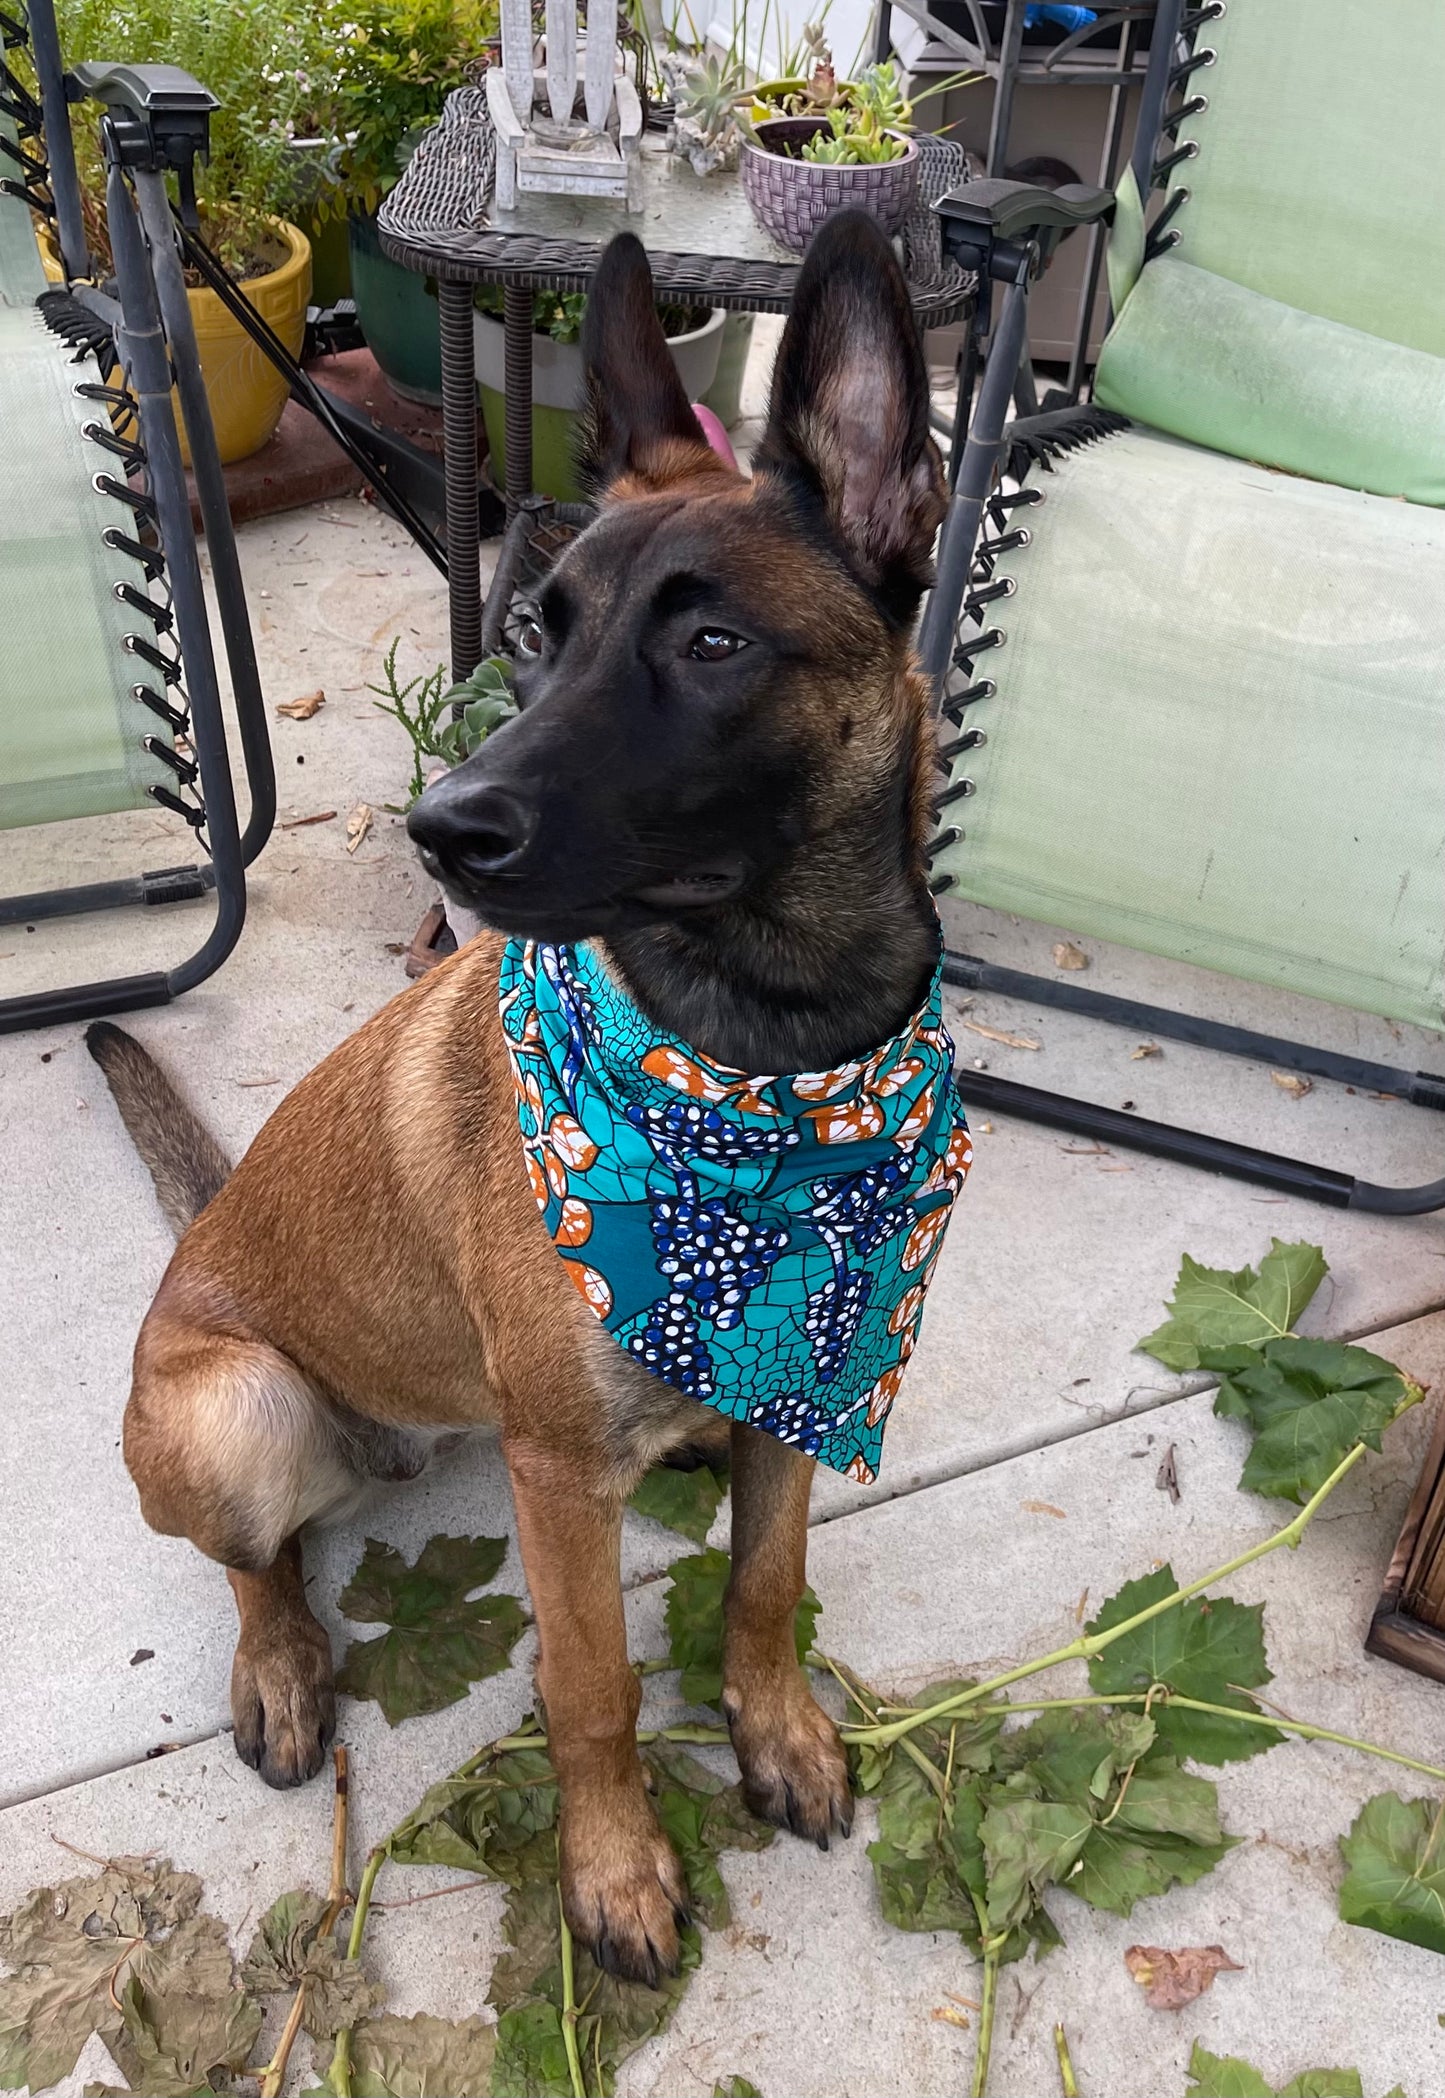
x=623, y=1890
x=283, y=1703
x=794, y=1770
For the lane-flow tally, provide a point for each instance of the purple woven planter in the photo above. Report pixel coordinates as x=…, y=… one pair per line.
x=791, y=198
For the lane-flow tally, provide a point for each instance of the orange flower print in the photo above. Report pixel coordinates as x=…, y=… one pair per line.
x=884, y=1392
x=537, y=1177
x=909, y=1305
x=826, y=1085
x=923, y=1238
x=571, y=1142
x=555, y=1170
x=684, y=1073
x=917, y=1118
x=848, y=1122
x=895, y=1076
x=575, y=1226
x=860, y=1473
x=589, y=1285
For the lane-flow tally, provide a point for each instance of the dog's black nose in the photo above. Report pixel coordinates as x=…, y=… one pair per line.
x=472, y=831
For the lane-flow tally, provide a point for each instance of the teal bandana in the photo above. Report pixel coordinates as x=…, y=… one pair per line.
x=762, y=1244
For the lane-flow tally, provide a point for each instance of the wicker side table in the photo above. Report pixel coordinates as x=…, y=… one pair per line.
x=703, y=245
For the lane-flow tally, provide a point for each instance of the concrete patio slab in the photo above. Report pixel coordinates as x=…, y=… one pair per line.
x=810, y=1994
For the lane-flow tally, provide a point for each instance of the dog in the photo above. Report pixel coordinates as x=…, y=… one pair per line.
x=720, y=777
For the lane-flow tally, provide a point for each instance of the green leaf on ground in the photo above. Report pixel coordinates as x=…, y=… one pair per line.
x=1214, y=1308
x=1224, y=2076
x=287, y=1950
x=1029, y=1844
x=478, y=1824
x=695, y=1623
x=1227, y=2076
x=1396, y=1877
x=1309, y=1402
x=439, y=1643
x=77, y=1947
x=736, y=2087
x=1210, y=1647
x=704, y=1816
x=531, y=2059
x=420, y=2057
x=683, y=1501
x=1150, y=1825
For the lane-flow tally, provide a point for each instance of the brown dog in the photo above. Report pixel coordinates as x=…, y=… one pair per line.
x=722, y=771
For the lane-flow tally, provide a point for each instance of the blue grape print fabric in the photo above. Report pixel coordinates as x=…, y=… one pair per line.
x=762, y=1244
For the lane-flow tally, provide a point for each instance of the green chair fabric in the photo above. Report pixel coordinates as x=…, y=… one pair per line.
x=70, y=730
x=1300, y=319
x=1210, y=360
x=1321, y=161
x=1219, y=726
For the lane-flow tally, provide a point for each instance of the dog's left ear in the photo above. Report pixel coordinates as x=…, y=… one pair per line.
x=849, y=409
x=640, y=434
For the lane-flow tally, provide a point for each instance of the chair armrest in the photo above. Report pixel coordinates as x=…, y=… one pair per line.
x=1010, y=210
x=161, y=113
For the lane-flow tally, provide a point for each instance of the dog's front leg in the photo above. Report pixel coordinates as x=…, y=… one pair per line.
x=794, y=1770
x=623, y=1890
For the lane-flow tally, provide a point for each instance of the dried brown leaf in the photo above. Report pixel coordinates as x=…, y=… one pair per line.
x=303, y=708
x=358, y=823
x=997, y=1034
x=945, y=2014
x=1291, y=1082
x=1044, y=1508
x=1144, y=1049
x=302, y=822
x=1068, y=956
x=1172, y=1979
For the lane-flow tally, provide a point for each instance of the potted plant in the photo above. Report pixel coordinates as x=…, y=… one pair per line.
x=254, y=60
x=694, y=337
x=818, y=144
x=399, y=61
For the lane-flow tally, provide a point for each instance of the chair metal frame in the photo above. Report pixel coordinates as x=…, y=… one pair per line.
x=154, y=120
x=1006, y=231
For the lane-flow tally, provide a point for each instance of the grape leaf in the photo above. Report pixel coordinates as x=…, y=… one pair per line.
x=76, y=1948
x=681, y=1501
x=1199, y=1648
x=439, y=1644
x=1212, y=1307
x=1396, y=1878
x=1224, y=2076
x=287, y=1950
x=1150, y=1826
x=695, y=1623
x=923, y=1881
x=526, y=1986
x=531, y=2057
x=417, y=2057
x=1309, y=1402
x=1029, y=1844
x=736, y=2087
x=704, y=1816
x=477, y=1824
x=183, y=2020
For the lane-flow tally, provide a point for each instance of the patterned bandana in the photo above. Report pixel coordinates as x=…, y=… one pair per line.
x=762, y=1244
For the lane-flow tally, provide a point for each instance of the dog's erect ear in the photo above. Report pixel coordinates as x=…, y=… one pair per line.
x=640, y=433
x=849, y=408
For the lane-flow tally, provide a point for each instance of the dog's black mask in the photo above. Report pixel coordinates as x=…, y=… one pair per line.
x=698, y=677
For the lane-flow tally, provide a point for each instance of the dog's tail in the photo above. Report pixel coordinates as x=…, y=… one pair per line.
x=184, y=1160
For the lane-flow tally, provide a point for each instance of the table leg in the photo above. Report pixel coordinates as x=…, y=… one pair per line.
x=517, y=316
x=459, y=445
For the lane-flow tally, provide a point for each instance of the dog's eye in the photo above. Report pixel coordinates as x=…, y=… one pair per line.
x=715, y=644
x=529, y=638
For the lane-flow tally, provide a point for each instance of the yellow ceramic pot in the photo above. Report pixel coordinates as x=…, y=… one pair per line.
x=246, y=392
